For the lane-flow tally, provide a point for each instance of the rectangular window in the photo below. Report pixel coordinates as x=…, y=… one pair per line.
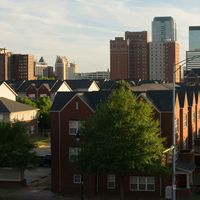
x=73, y=153
x=142, y=183
x=77, y=179
x=193, y=116
x=1, y=117
x=198, y=114
x=77, y=105
x=111, y=181
x=185, y=120
x=74, y=127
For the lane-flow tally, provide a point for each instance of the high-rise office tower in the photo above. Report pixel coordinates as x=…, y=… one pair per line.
x=4, y=64
x=163, y=29
x=138, y=68
x=194, y=48
x=22, y=67
x=61, y=68
x=73, y=70
x=39, y=68
x=194, y=38
x=129, y=56
x=164, y=50
x=118, y=58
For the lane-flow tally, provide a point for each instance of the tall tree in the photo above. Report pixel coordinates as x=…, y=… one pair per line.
x=44, y=104
x=121, y=137
x=16, y=149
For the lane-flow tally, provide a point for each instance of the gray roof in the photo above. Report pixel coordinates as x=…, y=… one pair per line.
x=92, y=99
x=9, y=106
x=76, y=85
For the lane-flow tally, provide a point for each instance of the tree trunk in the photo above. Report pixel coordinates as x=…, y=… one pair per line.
x=121, y=183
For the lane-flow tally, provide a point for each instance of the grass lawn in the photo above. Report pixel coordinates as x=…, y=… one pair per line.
x=40, y=140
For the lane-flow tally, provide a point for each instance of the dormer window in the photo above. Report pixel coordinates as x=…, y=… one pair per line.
x=74, y=127
x=77, y=105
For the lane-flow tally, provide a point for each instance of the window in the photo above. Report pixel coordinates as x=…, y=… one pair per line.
x=111, y=181
x=142, y=183
x=77, y=178
x=198, y=114
x=73, y=153
x=1, y=118
x=193, y=117
x=185, y=120
x=74, y=127
x=77, y=105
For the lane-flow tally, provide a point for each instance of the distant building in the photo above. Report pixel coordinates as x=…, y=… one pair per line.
x=4, y=64
x=162, y=56
x=129, y=56
x=73, y=70
x=49, y=72
x=22, y=67
x=194, y=38
x=94, y=75
x=40, y=67
x=61, y=68
x=163, y=29
x=164, y=51
x=118, y=58
x=194, y=48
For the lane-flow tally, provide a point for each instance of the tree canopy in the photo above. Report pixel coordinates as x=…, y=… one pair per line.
x=16, y=149
x=44, y=104
x=121, y=136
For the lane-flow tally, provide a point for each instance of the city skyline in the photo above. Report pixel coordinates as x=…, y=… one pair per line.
x=81, y=29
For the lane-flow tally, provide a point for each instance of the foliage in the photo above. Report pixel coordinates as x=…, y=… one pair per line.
x=47, y=78
x=122, y=136
x=16, y=149
x=44, y=104
x=27, y=101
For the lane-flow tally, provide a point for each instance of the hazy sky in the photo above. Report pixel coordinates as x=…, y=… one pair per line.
x=81, y=29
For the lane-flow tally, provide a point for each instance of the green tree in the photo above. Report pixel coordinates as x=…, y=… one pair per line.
x=16, y=149
x=27, y=101
x=121, y=137
x=44, y=104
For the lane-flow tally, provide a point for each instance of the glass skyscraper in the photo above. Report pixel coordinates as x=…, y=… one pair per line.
x=194, y=38
x=163, y=29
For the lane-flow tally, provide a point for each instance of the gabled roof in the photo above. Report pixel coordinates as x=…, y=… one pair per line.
x=9, y=106
x=36, y=83
x=92, y=99
x=9, y=87
x=15, y=84
x=162, y=99
x=108, y=85
x=58, y=84
x=82, y=84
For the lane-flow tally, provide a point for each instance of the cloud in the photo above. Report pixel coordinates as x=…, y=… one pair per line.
x=81, y=29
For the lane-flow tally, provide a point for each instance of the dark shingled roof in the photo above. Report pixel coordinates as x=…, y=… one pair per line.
x=162, y=99
x=91, y=98
x=15, y=84
x=81, y=84
x=108, y=85
x=37, y=83
x=9, y=106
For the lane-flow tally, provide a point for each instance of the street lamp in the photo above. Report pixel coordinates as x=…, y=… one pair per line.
x=82, y=188
x=181, y=64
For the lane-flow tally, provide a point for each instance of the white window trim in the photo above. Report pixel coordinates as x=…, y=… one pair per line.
x=75, y=176
x=77, y=126
x=73, y=152
x=111, y=179
x=146, y=183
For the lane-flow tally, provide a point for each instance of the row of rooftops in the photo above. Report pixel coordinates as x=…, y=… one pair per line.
x=160, y=95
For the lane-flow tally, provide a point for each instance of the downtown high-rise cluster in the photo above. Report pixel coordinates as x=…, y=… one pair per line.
x=136, y=58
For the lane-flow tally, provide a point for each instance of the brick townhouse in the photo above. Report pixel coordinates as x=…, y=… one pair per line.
x=70, y=108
